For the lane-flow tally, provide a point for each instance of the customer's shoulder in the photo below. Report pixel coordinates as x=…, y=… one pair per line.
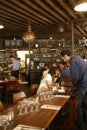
x=76, y=58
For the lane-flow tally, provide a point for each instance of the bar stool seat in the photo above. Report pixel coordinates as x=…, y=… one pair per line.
x=12, y=87
x=18, y=97
x=1, y=106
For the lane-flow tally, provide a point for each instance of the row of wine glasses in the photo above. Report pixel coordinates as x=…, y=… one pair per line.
x=31, y=104
x=56, y=87
x=28, y=105
x=4, y=121
x=45, y=95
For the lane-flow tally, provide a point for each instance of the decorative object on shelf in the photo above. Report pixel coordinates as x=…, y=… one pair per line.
x=85, y=26
x=61, y=29
x=81, y=6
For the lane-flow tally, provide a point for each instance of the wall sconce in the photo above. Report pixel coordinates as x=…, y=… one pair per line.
x=36, y=45
x=1, y=26
x=51, y=38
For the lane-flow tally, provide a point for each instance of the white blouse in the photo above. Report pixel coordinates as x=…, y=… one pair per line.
x=43, y=83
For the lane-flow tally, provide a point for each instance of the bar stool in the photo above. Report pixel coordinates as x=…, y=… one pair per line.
x=18, y=97
x=12, y=87
x=34, y=88
x=1, y=106
x=68, y=122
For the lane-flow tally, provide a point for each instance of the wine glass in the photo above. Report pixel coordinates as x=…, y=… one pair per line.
x=41, y=96
x=37, y=103
x=25, y=105
x=4, y=121
x=20, y=107
x=32, y=102
x=54, y=88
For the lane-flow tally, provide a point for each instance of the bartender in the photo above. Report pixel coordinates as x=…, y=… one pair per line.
x=15, y=66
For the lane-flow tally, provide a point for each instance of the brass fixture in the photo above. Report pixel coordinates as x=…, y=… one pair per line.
x=28, y=36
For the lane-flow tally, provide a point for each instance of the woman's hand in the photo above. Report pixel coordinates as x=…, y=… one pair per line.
x=44, y=88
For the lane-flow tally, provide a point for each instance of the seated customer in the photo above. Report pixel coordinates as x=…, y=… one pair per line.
x=46, y=70
x=48, y=79
x=56, y=77
x=65, y=70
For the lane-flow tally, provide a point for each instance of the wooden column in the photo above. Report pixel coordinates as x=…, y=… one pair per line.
x=72, y=36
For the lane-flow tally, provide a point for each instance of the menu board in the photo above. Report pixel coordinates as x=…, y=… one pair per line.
x=13, y=43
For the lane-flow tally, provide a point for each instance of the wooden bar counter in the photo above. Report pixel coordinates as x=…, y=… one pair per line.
x=41, y=118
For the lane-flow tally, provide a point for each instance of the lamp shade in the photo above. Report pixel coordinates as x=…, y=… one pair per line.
x=28, y=36
x=1, y=26
x=81, y=6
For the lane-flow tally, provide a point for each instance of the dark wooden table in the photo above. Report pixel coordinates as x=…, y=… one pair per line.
x=42, y=118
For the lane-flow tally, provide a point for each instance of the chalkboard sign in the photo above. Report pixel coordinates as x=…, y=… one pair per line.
x=13, y=43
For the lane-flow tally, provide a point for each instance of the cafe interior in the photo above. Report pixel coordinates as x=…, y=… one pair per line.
x=38, y=30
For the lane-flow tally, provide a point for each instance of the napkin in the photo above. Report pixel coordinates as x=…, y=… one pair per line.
x=47, y=106
x=25, y=127
x=64, y=96
x=61, y=90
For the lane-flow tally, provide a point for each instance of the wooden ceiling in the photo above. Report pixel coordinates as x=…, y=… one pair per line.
x=45, y=16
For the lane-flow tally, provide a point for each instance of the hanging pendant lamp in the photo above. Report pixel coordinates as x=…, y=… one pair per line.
x=28, y=36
